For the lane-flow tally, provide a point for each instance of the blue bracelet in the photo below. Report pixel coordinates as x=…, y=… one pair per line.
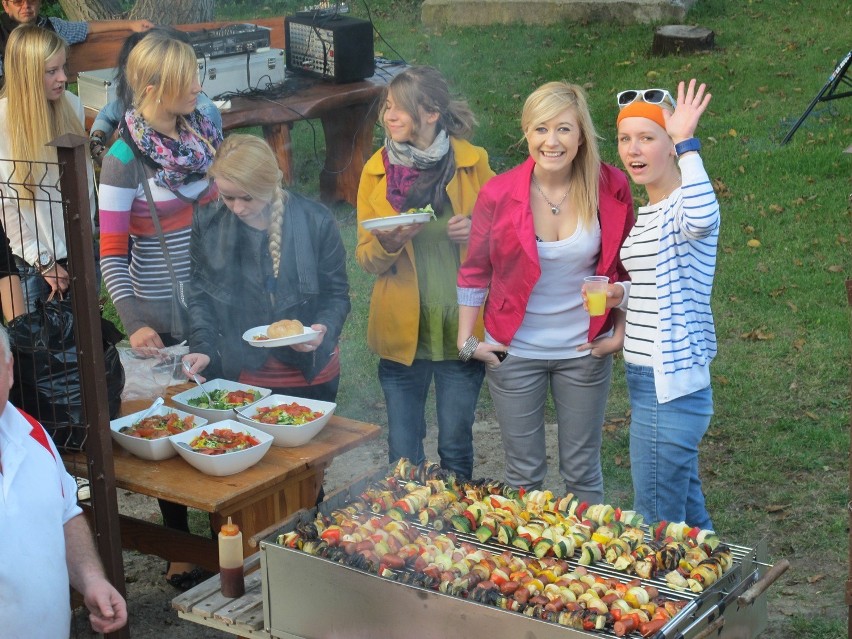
x=690, y=144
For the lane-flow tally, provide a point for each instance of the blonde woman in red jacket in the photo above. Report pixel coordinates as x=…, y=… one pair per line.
x=538, y=230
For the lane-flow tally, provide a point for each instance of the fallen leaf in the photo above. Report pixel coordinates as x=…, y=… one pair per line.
x=748, y=228
x=618, y=460
x=815, y=578
x=775, y=208
x=757, y=335
x=761, y=268
x=732, y=133
x=811, y=415
x=795, y=309
x=721, y=380
x=741, y=168
x=776, y=508
x=835, y=268
x=754, y=243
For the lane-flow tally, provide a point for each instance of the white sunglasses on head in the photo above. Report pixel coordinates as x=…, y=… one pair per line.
x=651, y=96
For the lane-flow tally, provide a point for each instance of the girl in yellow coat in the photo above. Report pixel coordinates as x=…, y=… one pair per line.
x=426, y=161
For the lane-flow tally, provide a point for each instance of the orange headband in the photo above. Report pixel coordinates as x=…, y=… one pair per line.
x=641, y=109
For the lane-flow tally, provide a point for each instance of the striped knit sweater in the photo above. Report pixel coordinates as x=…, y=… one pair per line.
x=685, y=339
x=138, y=281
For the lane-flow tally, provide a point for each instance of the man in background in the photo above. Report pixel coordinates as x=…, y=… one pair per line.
x=18, y=12
x=46, y=543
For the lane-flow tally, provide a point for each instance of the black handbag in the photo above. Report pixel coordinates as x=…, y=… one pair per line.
x=47, y=374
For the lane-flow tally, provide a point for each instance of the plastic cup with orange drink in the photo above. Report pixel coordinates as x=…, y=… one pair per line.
x=596, y=287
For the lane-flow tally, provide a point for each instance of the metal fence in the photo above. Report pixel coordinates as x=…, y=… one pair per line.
x=79, y=351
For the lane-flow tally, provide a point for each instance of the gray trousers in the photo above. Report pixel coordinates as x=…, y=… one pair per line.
x=580, y=387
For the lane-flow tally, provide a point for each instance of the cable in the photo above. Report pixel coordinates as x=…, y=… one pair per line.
x=381, y=37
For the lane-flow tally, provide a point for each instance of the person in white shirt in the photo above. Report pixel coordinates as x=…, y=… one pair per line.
x=47, y=544
x=35, y=109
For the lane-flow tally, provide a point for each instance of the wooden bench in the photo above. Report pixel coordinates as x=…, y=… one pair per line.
x=348, y=112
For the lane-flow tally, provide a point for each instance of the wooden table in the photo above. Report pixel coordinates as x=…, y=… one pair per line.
x=284, y=481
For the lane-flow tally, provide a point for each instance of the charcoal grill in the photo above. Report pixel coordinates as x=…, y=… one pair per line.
x=311, y=597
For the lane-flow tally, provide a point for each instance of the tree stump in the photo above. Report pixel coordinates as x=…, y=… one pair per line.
x=674, y=39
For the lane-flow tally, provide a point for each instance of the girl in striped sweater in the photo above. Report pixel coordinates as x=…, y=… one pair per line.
x=175, y=144
x=165, y=141
x=670, y=339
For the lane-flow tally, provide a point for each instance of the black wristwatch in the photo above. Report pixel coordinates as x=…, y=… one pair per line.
x=45, y=262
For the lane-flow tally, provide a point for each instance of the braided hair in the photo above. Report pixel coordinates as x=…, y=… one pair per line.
x=248, y=162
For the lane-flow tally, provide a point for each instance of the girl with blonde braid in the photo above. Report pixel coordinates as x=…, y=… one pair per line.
x=260, y=255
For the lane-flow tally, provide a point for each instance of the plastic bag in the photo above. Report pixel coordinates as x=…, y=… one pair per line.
x=47, y=374
x=145, y=370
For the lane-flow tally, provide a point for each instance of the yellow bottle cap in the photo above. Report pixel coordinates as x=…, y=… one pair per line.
x=230, y=529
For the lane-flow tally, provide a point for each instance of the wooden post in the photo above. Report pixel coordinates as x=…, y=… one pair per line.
x=674, y=39
x=72, y=152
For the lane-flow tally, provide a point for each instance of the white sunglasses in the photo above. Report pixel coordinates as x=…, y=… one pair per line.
x=651, y=96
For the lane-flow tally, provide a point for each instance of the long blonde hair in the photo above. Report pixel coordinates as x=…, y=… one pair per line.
x=248, y=162
x=548, y=101
x=164, y=63
x=31, y=119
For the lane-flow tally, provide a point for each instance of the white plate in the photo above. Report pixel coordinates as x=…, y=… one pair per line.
x=250, y=334
x=392, y=221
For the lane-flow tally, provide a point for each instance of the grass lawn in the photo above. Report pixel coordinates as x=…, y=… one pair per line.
x=774, y=462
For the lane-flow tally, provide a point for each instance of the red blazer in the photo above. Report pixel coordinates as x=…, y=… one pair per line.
x=502, y=255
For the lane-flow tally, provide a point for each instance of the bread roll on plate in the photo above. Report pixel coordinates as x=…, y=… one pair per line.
x=285, y=328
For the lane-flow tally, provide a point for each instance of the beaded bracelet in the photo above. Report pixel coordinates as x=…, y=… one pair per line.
x=468, y=349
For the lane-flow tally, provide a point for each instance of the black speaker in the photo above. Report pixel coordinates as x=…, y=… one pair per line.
x=332, y=48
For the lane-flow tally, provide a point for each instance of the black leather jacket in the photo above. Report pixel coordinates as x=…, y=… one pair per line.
x=232, y=288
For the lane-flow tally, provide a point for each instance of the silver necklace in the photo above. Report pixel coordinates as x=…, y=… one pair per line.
x=554, y=208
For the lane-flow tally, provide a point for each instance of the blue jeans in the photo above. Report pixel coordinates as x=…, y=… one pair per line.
x=664, y=442
x=457, y=387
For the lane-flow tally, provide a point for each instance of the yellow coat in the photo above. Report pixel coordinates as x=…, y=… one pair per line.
x=393, y=323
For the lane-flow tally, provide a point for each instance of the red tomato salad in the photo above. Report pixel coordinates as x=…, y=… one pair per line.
x=222, y=441
x=159, y=426
x=291, y=414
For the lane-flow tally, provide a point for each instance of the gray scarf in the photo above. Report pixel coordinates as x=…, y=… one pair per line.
x=408, y=155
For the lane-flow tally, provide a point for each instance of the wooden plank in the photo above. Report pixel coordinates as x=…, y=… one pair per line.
x=221, y=607
x=185, y=602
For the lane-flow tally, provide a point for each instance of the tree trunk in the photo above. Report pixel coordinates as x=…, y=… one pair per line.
x=674, y=39
x=88, y=10
x=158, y=11
x=173, y=11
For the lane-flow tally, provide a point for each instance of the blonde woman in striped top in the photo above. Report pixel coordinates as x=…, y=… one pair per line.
x=670, y=339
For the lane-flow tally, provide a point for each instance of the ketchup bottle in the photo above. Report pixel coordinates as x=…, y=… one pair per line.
x=231, y=561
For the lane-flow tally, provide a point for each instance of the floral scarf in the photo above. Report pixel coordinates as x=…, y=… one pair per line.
x=183, y=160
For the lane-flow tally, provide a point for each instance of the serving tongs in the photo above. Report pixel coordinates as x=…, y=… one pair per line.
x=187, y=366
x=153, y=408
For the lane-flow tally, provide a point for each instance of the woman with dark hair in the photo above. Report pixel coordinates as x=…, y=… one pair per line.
x=426, y=160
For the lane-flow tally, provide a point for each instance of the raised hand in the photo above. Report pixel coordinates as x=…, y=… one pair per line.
x=681, y=124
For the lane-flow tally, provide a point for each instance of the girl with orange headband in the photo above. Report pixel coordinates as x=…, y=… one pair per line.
x=670, y=339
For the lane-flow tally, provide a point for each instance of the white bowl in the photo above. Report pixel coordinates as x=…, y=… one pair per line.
x=153, y=449
x=213, y=415
x=226, y=463
x=288, y=436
